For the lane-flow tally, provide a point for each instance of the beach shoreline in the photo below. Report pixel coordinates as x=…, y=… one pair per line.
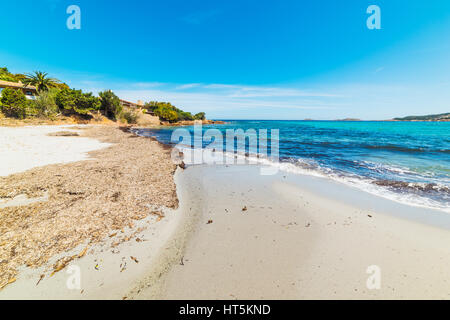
x=236, y=234
x=297, y=237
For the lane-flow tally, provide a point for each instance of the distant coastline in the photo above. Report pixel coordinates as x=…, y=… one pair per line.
x=405, y=119
x=431, y=117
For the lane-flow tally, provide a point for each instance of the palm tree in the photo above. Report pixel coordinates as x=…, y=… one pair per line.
x=40, y=81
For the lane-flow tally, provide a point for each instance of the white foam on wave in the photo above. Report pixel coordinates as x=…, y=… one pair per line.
x=312, y=168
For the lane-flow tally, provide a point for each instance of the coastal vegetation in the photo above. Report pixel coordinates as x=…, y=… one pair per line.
x=5, y=75
x=430, y=117
x=110, y=104
x=130, y=116
x=168, y=112
x=71, y=102
x=53, y=98
x=14, y=103
x=45, y=104
x=40, y=80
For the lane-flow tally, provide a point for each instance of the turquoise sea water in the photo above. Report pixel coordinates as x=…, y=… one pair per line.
x=405, y=161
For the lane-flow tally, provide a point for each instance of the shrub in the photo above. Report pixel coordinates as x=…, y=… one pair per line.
x=72, y=101
x=130, y=116
x=6, y=75
x=166, y=114
x=14, y=103
x=110, y=104
x=45, y=104
x=153, y=105
x=200, y=116
x=185, y=116
x=166, y=111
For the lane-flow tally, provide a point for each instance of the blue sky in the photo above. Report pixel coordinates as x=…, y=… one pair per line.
x=243, y=59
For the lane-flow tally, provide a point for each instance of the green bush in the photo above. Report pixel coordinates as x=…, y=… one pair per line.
x=110, y=104
x=130, y=116
x=45, y=104
x=72, y=101
x=185, y=116
x=5, y=75
x=200, y=116
x=166, y=111
x=166, y=114
x=14, y=103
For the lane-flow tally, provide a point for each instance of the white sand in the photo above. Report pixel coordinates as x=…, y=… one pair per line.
x=300, y=238
x=23, y=148
x=303, y=238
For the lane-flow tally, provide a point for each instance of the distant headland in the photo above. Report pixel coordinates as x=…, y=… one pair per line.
x=431, y=117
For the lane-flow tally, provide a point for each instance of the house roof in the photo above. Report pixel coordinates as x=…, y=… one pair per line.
x=18, y=85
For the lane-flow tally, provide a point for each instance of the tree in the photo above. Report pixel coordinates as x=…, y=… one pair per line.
x=40, y=81
x=5, y=75
x=166, y=114
x=19, y=77
x=110, y=104
x=185, y=116
x=71, y=101
x=14, y=103
x=162, y=109
x=45, y=104
x=200, y=116
x=8, y=76
x=61, y=86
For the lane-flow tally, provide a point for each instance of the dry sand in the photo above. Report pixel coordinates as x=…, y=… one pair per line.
x=289, y=236
x=23, y=148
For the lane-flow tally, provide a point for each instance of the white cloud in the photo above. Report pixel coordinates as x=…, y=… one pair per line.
x=243, y=91
x=219, y=100
x=228, y=101
x=147, y=84
x=188, y=86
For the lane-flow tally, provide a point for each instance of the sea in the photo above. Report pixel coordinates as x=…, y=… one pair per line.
x=408, y=162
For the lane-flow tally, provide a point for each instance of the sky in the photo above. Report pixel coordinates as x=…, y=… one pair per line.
x=243, y=59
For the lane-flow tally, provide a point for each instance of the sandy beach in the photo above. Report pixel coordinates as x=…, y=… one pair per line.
x=207, y=232
x=298, y=237
x=53, y=215
x=225, y=158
